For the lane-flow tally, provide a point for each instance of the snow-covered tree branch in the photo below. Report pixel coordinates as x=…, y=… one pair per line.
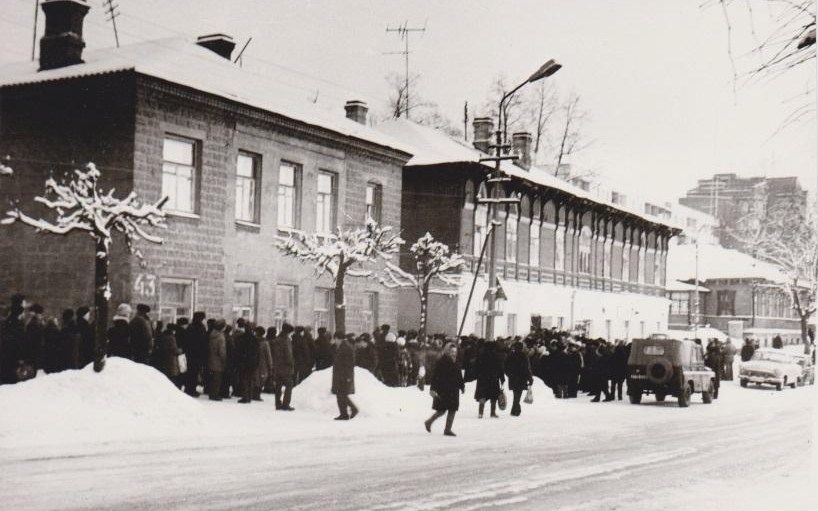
x=81, y=206
x=347, y=253
x=433, y=260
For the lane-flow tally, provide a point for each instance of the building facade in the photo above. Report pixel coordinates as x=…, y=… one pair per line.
x=564, y=259
x=176, y=119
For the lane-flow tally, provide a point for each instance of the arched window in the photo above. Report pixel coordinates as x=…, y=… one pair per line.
x=481, y=218
x=512, y=221
x=585, y=250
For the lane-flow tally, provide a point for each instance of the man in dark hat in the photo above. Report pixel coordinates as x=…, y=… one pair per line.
x=142, y=334
x=196, y=350
x=283, y=367
x=12, y=333
x=35, y=329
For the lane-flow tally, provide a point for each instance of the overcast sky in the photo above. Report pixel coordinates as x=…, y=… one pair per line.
x=655, y=75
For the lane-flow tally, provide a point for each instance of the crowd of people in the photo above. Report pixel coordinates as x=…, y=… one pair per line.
x=246, y=360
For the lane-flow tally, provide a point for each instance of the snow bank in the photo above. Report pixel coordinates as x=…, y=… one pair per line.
x=126, y=400
x=372, y=397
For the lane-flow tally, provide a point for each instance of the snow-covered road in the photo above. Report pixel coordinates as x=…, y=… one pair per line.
x=751, y=449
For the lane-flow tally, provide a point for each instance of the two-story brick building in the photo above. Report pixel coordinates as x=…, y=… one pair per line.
x=239, y=164
x=564, y=258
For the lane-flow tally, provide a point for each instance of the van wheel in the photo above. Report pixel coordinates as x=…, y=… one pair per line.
x=744, y=382
x=684, y=396
x=634, y=398
x=707, y=395
x=660, y=397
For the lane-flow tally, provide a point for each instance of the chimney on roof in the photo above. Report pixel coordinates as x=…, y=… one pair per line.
x=62, y=43
x=356, y=110
x=220, y=44
x=521, y=146
x=482, y=133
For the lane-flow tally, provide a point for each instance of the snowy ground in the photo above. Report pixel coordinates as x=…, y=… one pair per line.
x=147, y=446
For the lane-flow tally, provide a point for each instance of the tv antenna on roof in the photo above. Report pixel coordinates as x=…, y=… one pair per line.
x=110, y=11
x=404, y=31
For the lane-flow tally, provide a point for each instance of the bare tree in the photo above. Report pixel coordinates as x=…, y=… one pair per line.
x=515, y=108
x=433, y=260
x=570, y=139
x=787, y=237
x=423, y=111
x=341, y=255
x=546, y=107
x=81, y=206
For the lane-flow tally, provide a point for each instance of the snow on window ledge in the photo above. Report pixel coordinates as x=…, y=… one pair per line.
x=183, y=214
x=251, y=226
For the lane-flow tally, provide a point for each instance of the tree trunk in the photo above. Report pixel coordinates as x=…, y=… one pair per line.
x=340, y=306
x=100, y=305
x=424, y=308
x=804, y=336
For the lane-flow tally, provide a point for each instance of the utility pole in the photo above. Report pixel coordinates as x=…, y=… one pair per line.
x=34, y=40
x=466, y=121
x=110, y=10
x=404, y=31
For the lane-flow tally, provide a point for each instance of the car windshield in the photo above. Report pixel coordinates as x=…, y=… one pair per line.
x=778, y=358
x=653, y=350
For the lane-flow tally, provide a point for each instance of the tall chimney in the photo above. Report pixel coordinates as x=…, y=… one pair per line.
x=482, y=133
x=62, y=43
x=219, y=44
x=356, y=110
x=521, y=146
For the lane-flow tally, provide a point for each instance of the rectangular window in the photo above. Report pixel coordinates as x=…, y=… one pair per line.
x=511, y=238
x=244, y=301
x=679, y=303
x=536, y=322
x=511, y=324
x=725, y=303
x=179, y=174
x=374, y=193
x=559, y=250
x=324, y=309
x=534, y=245
x=175, y=299
x=369, y=312
x=325, y=203
x=289, y=177
x=626, y=263
x=247, y=187
x=285, y=304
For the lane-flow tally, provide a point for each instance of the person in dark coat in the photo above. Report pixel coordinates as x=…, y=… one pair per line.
x=196, y=347
x=619, y=368
x=12, y=332
x=167, y=354
x=490, y=378
x=323, y=349
x=747, y=350
x=303, y=354
x=573, y=368
x=714, y=361
x=365, y=353
x=283, y=367
x=86, y=330
x=119, y=335
x=142, y=335
x=228, y=376
x=598, y=364
x=69, y=342
x=265, y=363
x=446, y=386
x=217, y=359
x=35, y=330
x=343, y=379
x=246, y=351
x=518, y=370
x=51, y=346
x=388, y=360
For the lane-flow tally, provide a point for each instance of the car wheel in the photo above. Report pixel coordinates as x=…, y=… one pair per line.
x=660, y=397
x=707, y=395
x=744, y=382
x=779, y=385
x=635, y=398
x=684, y=396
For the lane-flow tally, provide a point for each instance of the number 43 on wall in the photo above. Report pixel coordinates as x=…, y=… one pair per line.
x=145, y=285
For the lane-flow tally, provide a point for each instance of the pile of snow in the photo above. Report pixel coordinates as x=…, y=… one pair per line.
x=126, y=400
x=372, y=397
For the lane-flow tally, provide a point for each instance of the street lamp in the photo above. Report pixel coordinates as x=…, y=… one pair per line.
x=546, y=70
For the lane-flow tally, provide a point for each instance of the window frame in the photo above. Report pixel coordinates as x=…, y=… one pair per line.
x=328, y=308
x=194, y=166
x=534, y=249
x=371, y=298
x=295, y=209
x=512, y=235
x=377, y=202
x=255, y=193
x=163, y=305
x=253, y=299
x=278, y=319
x=320, y=205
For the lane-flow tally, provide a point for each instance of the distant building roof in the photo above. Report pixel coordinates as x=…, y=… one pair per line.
x=434, y=147
x=185, y=63
x=716, y=262
x=675, y=285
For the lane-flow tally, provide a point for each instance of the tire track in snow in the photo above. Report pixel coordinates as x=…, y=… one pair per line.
x=510, y=492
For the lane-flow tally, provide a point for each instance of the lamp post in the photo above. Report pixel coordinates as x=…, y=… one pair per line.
x=546, y=70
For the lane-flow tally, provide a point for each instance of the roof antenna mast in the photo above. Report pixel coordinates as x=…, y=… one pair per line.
x=404, y=31
x=110, y=10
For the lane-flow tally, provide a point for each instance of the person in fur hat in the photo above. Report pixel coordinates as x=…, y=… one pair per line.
x=119, y=335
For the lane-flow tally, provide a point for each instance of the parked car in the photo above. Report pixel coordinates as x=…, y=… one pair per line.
x=669, y=367
x=807, y=369
x=770, y=366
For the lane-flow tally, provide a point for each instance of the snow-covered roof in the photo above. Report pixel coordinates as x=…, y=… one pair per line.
x=185, y=63
x=675, y=285
x=430, y=146
x=716, y=262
